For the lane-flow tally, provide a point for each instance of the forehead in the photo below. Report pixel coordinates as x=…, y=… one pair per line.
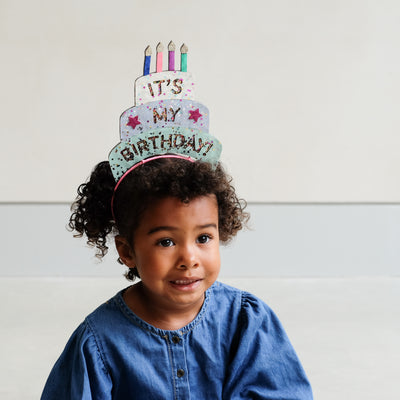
x=170, y=211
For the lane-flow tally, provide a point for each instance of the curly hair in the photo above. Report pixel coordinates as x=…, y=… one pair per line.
x=92, y=215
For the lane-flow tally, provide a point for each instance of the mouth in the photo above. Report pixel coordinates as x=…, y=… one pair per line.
x=184, y=281
x=186, y=284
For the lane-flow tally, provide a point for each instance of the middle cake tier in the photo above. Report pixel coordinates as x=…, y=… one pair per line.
x=164, y=114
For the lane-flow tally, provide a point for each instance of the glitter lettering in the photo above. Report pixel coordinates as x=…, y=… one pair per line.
x=173, y=113
x=191, y=143
x=181, y=142
x=151, y=89
x=209, y=148
x=201, y=145
x=169, y=141
x=156, y=115
x=142, y=146
x=179, y=88
x=159, y=85
x=127, y=154
x=134, y=149
x=153, y=140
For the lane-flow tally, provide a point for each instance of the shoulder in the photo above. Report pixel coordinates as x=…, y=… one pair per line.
x=243, y=301
x=245, y=309
x=86, y=342
x=107, y=318
x=263, y=362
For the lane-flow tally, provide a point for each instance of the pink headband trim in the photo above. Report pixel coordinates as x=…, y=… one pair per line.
x=146, y=160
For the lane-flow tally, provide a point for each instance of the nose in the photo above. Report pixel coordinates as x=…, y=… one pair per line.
x=188, y=257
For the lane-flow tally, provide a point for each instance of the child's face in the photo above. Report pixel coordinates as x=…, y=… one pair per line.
x=176, y=251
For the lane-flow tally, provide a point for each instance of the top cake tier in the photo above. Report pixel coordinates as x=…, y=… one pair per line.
x=167, y=85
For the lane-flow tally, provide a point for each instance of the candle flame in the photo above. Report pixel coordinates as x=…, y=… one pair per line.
x=171, y=46
x=184, y=48
x=160, y=48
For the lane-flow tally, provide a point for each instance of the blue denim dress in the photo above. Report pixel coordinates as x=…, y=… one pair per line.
x=235, y=348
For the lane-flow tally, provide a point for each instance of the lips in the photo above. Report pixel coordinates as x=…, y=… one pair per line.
x=185, y=281
x=186, y=284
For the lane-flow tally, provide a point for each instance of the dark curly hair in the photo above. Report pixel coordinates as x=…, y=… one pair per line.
x=168, y=177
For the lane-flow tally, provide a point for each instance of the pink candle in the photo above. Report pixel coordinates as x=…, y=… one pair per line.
x=159, y=59
x=171, y=56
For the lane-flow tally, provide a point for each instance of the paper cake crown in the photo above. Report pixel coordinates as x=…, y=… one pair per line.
x=166, y=119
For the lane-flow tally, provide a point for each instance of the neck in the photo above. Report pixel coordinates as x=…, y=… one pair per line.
x=158, y=314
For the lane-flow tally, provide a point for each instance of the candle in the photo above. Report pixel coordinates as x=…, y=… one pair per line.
x=184, y=50
x=171, y=56
x=147, y=57
x=159, y=50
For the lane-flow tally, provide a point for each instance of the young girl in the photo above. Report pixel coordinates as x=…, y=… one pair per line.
x=175, y=333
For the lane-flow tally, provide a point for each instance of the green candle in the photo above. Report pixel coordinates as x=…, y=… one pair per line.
x=184, y=50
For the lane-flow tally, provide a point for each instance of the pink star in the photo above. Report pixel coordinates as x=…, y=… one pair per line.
x=133, y=122
x=195, y=115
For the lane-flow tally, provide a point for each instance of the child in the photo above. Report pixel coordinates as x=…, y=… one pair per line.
x=177, y=333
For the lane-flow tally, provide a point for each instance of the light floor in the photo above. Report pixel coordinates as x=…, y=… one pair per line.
x=346, y=331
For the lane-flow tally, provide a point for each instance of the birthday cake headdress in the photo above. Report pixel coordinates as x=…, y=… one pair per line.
x=166, y=120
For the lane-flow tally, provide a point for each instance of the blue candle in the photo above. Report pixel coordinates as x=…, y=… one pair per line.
x=147, y=58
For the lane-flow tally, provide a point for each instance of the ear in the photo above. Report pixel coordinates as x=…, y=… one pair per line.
x=125, y=251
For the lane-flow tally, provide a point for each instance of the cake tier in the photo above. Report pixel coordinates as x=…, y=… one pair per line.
x=163, y=86
x=171, y=140
x=163, y=114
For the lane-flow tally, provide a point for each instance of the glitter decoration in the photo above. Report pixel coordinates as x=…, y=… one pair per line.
x=133, y=122
x=195, y=115
x=185, y=141
x=150, y=90
x=150, y=87
x=157, y=116
x=178, y=87
x=163, y=114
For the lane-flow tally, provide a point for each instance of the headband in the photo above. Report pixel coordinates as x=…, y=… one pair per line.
x=166, y=120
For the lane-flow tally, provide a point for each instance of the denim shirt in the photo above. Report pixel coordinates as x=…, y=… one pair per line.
x=235, y=348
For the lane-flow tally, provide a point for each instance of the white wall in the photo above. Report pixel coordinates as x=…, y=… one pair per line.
x=303, y=94
x=284, y=240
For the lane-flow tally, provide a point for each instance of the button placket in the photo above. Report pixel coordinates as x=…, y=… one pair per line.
x=179, y=366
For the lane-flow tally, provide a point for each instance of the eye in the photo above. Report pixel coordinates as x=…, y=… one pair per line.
x=202, y=239
x=165, y=242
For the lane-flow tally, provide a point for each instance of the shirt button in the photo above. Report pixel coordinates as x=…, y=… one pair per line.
x=176, y=339
x=180, y=373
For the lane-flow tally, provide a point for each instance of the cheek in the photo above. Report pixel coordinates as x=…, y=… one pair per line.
x=214, y=259
x=151, y=265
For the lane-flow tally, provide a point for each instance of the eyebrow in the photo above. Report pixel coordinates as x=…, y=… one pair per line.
x=173, y=228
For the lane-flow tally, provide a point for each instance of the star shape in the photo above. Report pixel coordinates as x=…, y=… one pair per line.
x=133, y=121
x=195, y=115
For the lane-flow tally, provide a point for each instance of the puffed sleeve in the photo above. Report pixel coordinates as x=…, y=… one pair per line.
x=80, y=373
x=263, y=363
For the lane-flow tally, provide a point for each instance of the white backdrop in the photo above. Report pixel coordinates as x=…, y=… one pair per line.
x=304, y=95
